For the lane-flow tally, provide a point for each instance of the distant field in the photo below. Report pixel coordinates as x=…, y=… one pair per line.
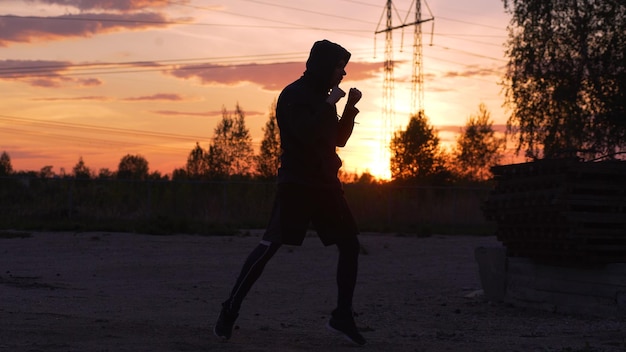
x=164, y=207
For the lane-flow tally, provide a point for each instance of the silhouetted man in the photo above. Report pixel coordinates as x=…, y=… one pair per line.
x=309, y=191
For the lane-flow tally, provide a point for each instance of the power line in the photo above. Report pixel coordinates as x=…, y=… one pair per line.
x=471, y=23
x=122, y=67
x=147, y=66
x=294, y=26
x=157, y=65
x=464, y=38
x=310, y=11
x=218, y=59
x=55, y=137
x=97, y=67
x=110, y=68
x=83, y=17
x=94, y=19
x=291, y=26
x=98, y=129
x=362, y=3
x=469, y=53
x=468, y=35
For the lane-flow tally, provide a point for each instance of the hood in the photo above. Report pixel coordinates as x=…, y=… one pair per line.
x=323, y=60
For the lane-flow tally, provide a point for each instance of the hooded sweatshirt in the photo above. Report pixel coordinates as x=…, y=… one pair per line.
x=310, y=129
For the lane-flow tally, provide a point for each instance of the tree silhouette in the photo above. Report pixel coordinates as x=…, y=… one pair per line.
x=179, y=174
x=5, y=164
x=230, y=152
x=80, y=170
x=415, y=152
x=104, y=173
x=268, y=159
x=197, y=165
x=566, y=77
x=477, y=147
x=46, y=172
x=132, y=167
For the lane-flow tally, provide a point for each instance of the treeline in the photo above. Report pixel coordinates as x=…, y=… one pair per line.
x=417, y=158
x=227, y=187
x=229, y=156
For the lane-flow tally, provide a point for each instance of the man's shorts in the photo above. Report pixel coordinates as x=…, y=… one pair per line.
x=298, y=206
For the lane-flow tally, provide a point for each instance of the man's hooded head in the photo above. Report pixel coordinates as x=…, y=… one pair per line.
x=323, y=60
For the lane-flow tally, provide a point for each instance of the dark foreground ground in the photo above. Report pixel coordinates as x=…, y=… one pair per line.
x=130, y=292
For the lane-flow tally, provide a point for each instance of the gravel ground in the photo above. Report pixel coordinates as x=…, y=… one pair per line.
x=130, y=292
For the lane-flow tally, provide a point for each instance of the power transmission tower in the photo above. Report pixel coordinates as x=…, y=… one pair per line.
x=417, y=77
x=388, y=82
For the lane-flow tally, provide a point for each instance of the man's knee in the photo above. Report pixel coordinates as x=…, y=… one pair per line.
x=272, y=246
x=349, y=245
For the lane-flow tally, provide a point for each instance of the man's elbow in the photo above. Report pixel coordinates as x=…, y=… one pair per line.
x=342, y=143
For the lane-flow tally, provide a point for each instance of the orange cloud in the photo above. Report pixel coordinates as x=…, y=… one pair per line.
x=271, y=77
x=457, y=129
x=85, y=98
x=158, y=96
x=188, y=113
x=28, y=29
x=214, y=113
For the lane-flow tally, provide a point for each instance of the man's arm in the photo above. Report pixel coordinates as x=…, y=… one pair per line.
x=306, y=122
x=346, y=123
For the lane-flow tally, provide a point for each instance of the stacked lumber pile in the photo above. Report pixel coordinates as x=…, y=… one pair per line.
x=564, y=212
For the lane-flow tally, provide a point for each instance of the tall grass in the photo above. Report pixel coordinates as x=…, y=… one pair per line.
x=203, y=207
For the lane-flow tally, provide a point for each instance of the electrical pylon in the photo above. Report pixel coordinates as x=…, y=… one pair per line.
x=388, y=82
x=417, y=76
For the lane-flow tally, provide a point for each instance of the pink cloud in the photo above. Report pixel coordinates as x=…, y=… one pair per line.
x=89, y=82
x=154, y=97
x=271, y=77
x=16, y=29
x=360, y=71
x=19, y=68
x=119, y=5
x=42, y=73
x=46, y=82
x=475, y=71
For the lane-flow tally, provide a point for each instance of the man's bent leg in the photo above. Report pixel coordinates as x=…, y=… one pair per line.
x=347, y=269
x=251, y=271
x=342, y=319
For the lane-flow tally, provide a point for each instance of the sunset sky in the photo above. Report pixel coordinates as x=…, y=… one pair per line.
x=100, y=79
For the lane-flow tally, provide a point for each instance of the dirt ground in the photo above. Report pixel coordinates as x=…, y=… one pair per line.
x=130, y=292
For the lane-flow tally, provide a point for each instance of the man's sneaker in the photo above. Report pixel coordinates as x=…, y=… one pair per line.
x=225, y=322
x=345, y=325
